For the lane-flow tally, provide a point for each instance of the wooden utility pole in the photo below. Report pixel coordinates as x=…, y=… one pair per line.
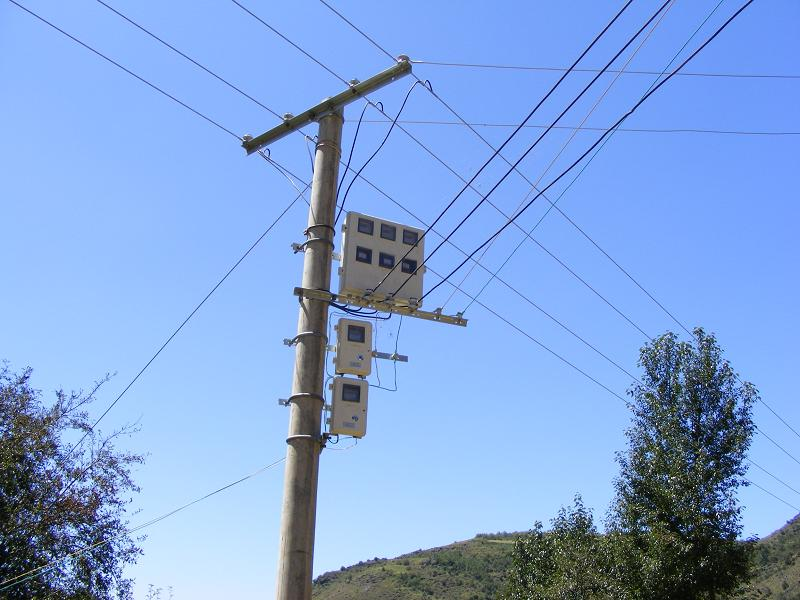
x=305, y=442
x=299, y=511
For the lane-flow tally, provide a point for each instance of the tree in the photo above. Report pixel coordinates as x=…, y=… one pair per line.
x=63, y=488
x=572, y=561
x=676, y=508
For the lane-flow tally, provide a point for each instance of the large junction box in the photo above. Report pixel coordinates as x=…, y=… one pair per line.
x=371, y=247
x=353, y=347
x=349, y=407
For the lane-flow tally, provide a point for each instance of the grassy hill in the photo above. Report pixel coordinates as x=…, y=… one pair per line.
x=777, y=565
x=475, y=570
x=471, y=570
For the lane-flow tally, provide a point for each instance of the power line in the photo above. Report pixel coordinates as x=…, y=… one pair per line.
x=14, y=581
x=675, y=130
x=564, y=146
x=128, y=71
x=600, y=139
x=508, y=140
x=190, y=59
x=527, y=151
x=626, y=72
x=766, y=491
x=776, y=478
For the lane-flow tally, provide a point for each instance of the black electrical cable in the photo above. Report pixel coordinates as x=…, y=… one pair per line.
x=374, y=154
x=594, y=145
x=674, y=130
x=528, y=151
x=509, y=139
x=349, y=159
x=625, y=72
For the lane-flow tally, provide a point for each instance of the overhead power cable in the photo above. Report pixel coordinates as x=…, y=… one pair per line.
x=626, y=72
x=190, y=59
x=675, y=130
x=514, y=166
x=128, y=71
x=775, y=477
x=602, y=137
x=766, y=491
x=549, y=166
x=508, y=140
x=41, y=570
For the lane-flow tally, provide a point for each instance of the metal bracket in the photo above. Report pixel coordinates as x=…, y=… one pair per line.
x=301, y=335
x=382, y=305
x=293, y=397
x=388, y=356
x=298, y=247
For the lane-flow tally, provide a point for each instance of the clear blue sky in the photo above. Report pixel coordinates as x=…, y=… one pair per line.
x=121, y=209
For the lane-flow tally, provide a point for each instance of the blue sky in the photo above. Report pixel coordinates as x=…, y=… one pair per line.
x=121, y=209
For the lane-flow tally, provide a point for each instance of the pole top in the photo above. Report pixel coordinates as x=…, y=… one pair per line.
x=357, y=89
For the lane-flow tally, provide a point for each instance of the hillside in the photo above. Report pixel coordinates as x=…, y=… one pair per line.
x=777, y=565
x=474, y=570
x=471, y=570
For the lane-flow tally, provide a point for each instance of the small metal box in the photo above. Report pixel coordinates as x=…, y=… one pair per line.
x=353, y=347
x=371, y=247
x=349, y=407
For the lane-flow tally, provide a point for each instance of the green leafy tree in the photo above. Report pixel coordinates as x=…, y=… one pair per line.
x=58, y=498
x=572, y=561
x=676, y=511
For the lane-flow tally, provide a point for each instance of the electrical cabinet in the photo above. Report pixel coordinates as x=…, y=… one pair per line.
x=353, y=347
x=349, y=407
x=371, y=248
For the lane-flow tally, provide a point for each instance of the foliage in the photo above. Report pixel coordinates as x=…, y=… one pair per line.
x=57, y=497
x=570, y=562
x=676, y=510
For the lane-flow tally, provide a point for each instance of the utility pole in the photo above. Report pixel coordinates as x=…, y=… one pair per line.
x=305, y=441
x=298, y=515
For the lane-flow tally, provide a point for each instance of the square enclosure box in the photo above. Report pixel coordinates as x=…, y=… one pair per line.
x=371, y=247
x=353, y=347
x=349, y=407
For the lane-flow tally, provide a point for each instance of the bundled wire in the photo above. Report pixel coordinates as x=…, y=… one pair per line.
x=374, y=154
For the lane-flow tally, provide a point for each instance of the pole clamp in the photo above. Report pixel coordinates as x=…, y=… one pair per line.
x=313, y=438
x=303, y=334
